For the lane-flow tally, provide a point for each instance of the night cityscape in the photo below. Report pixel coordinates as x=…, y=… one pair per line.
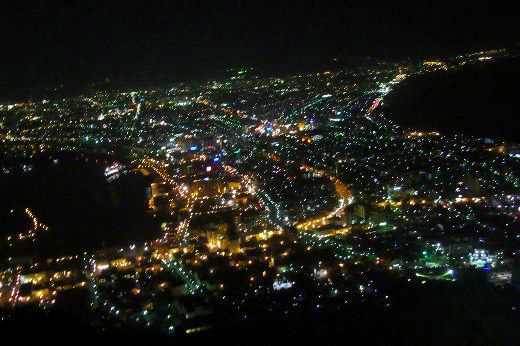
x=245, y=173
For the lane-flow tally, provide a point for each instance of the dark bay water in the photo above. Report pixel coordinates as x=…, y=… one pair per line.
x=480, y=99
x=83, y=210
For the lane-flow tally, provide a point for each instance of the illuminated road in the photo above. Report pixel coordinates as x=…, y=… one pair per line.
x=344, y=194
x=345, y=198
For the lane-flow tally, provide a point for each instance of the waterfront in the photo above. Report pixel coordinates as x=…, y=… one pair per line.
x=478, y=100
x=82, y=210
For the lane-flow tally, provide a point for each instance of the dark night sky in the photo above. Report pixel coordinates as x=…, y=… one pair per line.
x=46, y=42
